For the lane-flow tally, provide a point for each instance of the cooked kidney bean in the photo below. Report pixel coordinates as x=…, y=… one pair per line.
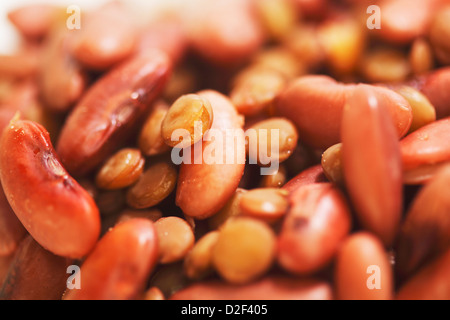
x=126, y=255
x=62, y=216
x=244, y=250
x=424, y=151
x=271, y=288
x=109, y=110
x=316, y=224
x=363, y=270
x=33, y=20
x=432, y=282
x=35, y=274
x=190, y=114
x=204, y=188
x=267, y=204
x=121, y=170
x=372, y=162
x=198, y=262
x=154, y=185
x=425, y=230
x=310, y=175
x=175, y=238
x=108, y=36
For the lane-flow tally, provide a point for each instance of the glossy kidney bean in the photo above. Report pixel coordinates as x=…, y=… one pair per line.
x=35, y=274
x=425, y=230
x=316, y=224
x=204, y=188
x=372, y=163
x=62, y=216
x=126, y=255
x=424, y=151
x=313, y=174
x=363, y=270
x=271, y=287
x=109, y=110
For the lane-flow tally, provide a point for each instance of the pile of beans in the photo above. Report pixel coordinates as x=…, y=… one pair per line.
x=357, y=206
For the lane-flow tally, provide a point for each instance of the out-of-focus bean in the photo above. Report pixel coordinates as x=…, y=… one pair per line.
x=109, y=110
x=425, y=231
x=151, y=214
x=267, y=204
x=421, y=58
x=432, y=282
x=315, y=226
x=108, y=37
x=261, y=145
x=224, y=32
x=423, y=112
x=277, y=17
x=332, y=164
x=169, y=278
x=153, y=293
x=198, y=262
x=121, y=170
x=362, y=269
x=385, y=65
x=175, y=238
x=424, y=151
x=35, y=274
x=110, y=202
x=244, y=251
x=313, y=174
x=184, y=80
x=256, y=90
x=204, y=188
x=275, y=180
x=34, y=21
x=281, y=60
x=372, y=162
x=439, y=33
x=154, y=185
x=271, y=288
x=21, y=65
x=231, y=209
x=191, y=113
x=5, y=262
x=126, y=256
x=62, y=216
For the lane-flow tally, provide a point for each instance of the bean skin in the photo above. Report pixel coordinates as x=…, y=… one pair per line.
x=424, y=151
x=33, y=20
x=425, y=231
x=204, y=188
x=432, y=282
x=35, y=274
x=316, y=224
x=109, y=110
x=126, y=255
x=372, y=163
x=313, y=174
x=271, y=288
x=360, y=251
x=62, y=216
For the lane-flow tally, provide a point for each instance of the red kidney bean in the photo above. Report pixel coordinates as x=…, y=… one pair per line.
x=434, y=86
x=108, y=36
x=424, y=151
x=33, y=20
x=363, y=270
x=316, y=224
x=126, y=255
x=51, y=205
x=432, y=282
x=35, y=274
x=204, y=188
x=224, y=31
x=61, y=80
x=313, y=174
x=425, y=231
x=109, y=110
x=271, y=288
x=372, y=162
x=320, y=126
